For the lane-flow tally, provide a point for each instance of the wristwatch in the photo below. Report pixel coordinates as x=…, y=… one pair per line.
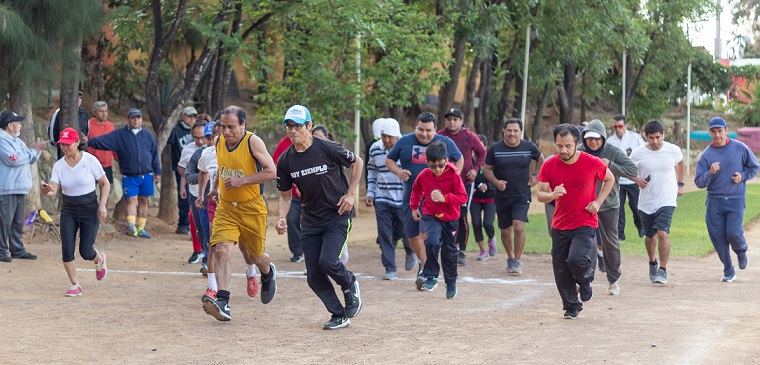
x=681, y=184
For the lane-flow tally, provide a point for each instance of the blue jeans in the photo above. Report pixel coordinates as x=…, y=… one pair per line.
x=200, y=217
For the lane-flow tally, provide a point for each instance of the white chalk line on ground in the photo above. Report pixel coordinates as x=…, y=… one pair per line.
x=300, y=274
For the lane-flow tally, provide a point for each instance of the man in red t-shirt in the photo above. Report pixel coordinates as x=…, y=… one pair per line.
x=98, y=126
x=570, y=181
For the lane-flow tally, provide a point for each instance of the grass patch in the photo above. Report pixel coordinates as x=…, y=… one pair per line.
x=688, y=232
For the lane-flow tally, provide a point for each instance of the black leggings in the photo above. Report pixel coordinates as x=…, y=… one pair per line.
x=478, y=223
x=79, y=213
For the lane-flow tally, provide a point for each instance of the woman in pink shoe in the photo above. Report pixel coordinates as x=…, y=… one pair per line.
x=76, y=173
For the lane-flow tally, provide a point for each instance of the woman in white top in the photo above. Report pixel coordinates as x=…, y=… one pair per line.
x=76, y=174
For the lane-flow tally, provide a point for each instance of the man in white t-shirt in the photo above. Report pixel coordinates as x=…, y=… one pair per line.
x=627, y=141
x=660, y=178
x=187, y=151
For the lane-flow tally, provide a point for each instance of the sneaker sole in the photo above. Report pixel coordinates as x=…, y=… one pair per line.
x=359, y=298
x=197, y=260
x=266, y=298
x=212, y=309
x=660, y=281
x=569, y=317
x=342, y=325
x=728, y=280
x=451, y=296
x=73, y=295
x=256, y=287
x=430, y=289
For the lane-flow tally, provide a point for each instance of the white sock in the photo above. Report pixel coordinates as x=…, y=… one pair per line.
x=599, y=252
x=250, y=271
x=212, y=281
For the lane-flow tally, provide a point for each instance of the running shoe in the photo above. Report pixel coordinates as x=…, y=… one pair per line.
x=743, y=260
x=571, y=314
x=483, y=256
x=410, y=262
x=353, y=299
x=195, y=258
x=210, y=293
x=390, y=275
x=614, y=288
x=132, y=230
x=653, y=269
x=419, y=282
x=586, y=292
x=74, y=291
x=252, y=286
x=204, y=270
x=600, y=260
x=729, y=278
x=461, y=259
x=217, y=308
x=269, y=284
x=142, y=233
x=514, y=266
x=661, y=277
x=430, y=283
x=336, y=322
x=451, y=291
x=100, y=269
x=492, y=249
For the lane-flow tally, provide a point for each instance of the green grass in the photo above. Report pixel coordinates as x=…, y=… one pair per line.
x=688, y=233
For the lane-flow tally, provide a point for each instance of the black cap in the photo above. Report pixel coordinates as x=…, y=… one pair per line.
x=81, y=94
x=454, y=112
x=134, y=112
x=9, y=117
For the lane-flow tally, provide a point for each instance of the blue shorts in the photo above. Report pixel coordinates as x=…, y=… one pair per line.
x=141, y=185
x=412, y=228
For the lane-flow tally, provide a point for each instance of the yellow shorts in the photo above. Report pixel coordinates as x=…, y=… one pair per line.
x=244, y=223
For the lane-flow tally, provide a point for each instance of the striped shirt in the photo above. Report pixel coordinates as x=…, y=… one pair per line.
x=383, y=185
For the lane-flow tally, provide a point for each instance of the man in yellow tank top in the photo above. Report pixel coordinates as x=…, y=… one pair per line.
x=241, y=212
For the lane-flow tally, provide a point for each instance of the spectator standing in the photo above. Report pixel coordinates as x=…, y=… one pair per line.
x=98, y=126
x=178, y=138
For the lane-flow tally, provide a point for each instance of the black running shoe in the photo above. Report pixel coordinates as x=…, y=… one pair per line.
x=269, y=284
x=571, y=314
x=337, y=322
x=217, y=308
x=586, y=292
x=353, y=300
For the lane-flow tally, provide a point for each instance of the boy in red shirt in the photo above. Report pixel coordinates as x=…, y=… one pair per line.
x=444, y=192
x=570, y=180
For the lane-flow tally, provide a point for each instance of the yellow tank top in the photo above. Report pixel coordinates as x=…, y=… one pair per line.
x=237, y=162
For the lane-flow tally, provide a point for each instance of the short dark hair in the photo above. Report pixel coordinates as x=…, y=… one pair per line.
x=237, y=111
x=436, y=151
x=565, y=129
x=513, y=121
x=653, y=126
x=323, y=129
x=620, y=117
x=426, y=117
x=483, y=139
x=198, y=125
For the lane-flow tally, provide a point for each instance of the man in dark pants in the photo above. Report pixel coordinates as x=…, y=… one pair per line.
x=626, y=141
x=316, y=165
x=570, y=180
x=470, y=146
x=178, y=138
x=724, y=168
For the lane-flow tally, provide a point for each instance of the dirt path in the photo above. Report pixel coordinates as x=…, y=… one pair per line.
x=148, y=310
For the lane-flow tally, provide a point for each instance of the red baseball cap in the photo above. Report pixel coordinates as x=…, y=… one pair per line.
x=68, y=136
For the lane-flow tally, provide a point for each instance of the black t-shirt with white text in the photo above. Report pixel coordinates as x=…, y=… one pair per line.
x=318, y=174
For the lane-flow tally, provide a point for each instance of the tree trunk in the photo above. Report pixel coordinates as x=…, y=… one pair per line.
x=501, y=110
x=517, y=102
x=210, y=80
x=583, y=99
x=92, y=62
x=566, y=93
x=535, y=135
x=70, y=66
x=484, y=92
x=449, y=89
x=167, y=205
x=470, y=90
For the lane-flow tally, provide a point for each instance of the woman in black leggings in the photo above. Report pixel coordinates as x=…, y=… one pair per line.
x=483, y=211
x=77, y=173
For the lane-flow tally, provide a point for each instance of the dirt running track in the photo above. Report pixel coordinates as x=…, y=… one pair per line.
x=148, y=311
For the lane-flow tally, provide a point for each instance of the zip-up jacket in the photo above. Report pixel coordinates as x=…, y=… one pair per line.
x=138, y=153
x=15, y=176
x=449, y=184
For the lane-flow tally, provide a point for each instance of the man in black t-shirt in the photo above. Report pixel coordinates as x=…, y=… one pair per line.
x=315, y=166
x=507, y=166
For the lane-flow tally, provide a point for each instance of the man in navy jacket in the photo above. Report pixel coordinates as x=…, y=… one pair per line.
x=140, y=167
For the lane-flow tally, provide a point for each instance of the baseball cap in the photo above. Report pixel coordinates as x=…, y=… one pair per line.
x=298, y=114
x=189, y=111
x=9, y=117
x=134, y=112
x=390, y=127
x=208, y=130
x=717, y=122
x=81, y=94
x=591, y=134
x=68, y=136
x=455, y=112
x=377, y=127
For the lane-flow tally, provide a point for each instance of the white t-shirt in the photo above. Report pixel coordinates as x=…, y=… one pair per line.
x=630, y=140
x=80, y=179
x=662, y=189
x=208, y=162
x=187, y=152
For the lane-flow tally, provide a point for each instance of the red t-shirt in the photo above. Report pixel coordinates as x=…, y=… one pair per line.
x=105, y=157
x=579, y=180
x=283, y=146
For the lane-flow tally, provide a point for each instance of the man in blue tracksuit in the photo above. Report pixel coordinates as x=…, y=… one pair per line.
x=724, y=168
x=140, y=167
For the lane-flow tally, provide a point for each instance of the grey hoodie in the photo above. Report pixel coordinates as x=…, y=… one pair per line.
x=15, y=158
x=620, y=164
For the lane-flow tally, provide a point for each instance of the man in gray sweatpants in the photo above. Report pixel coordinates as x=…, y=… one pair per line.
x=619, y=164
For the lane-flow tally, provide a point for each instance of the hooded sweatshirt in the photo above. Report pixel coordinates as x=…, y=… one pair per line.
x=14, y=169
x=469, y=144
x=620, y=164
x=450, y=185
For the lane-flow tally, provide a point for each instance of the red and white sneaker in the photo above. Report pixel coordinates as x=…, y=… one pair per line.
x=253, y=287
x=100, y=269
x=74, y=291
x=210, y=293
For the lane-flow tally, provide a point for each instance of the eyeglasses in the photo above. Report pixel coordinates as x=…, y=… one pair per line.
x=439, y=166
x=619, y=126
x=197, y=138
x=293, y=126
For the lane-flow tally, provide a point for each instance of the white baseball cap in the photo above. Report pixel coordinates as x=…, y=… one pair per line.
x=298, y=114
x=390, y=127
